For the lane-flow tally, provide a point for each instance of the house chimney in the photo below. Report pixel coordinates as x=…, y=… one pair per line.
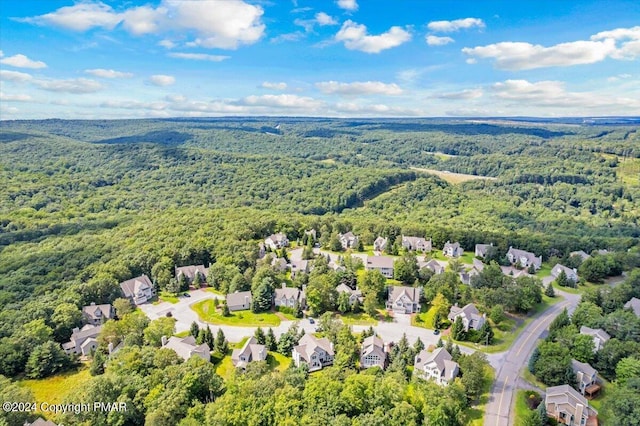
x=284, y=285
x=93, y=303
x=164, y=340
x=75, y=330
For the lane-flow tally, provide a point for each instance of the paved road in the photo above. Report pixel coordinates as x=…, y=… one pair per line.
x=509, y=364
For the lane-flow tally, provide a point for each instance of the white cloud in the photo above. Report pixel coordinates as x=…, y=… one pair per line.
x=162, y=80
x=457, y=25
x=216, y=24
x=21, y=61
x=5, y=97
x=167, y=44
x=618, y=77
x=103, y=73
x=618, y=34
x=463, y=94
x=295, y=36
x=438, y=41
x=74, y=85
x=282, y=101
x=359, y=88
x=16, y=76
x=350, y=5
x=274, y=86
x=323, y=19
x=374, y=110
x=199, y=56
x=355, y=37
x=156, y=106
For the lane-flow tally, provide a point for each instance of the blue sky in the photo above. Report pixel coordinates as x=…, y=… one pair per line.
x=343, y=58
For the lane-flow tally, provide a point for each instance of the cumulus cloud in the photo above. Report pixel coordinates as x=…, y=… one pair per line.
x=350, y=5
x=73, y=85
x=295, y=36
x=16, y=76
x=103, y=73
x=199, y=56
x=162, y=80
x=463, y=94
x=21, y=61
x=359, y=88
x=438, y=41
x=456, y=25
x=273, y=86
x=215, y=24
x=323, y=19
x=6, y=97
x=355, y=37
x=282, y=101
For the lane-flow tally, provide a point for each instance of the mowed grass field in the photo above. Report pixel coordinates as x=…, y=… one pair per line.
x=207, y=312
x=453, y=178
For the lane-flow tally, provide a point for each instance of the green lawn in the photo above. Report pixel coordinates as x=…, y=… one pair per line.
x=526, y=374
x=165, y=296
x=213, y=290
x=182, y=334
x=225, y=368
x=55, y=388
x=424, y=319
x=475, y=413
x=207, y=312
x=240, y=344
x=522, y=409
x=357, y=319
x=600, y=402
x=277, y=361
x=544, y=271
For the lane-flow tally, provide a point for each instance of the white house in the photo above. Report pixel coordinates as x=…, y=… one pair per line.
x=250, y=352
x=348, y=240
x=404, y=300
x=289, y=297
x=384, y=264
x=380, y=244
x=524, y=258
x=471, y=318
x=600, y=337
x=572, y=274
x=315, y=352
x=372, y=353
x=416, y=244
x=186, y=347
x=83, y=340
x=452, y=249
x=437, y=366
x=276, y=241
x=139, y=290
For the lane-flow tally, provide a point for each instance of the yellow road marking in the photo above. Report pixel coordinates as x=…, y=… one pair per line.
x=502, y=396
x=533, y=331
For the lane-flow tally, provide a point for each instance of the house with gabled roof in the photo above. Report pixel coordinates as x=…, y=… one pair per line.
x=434, y=265
x=380, y=244
x=276, y=241
x=83, y=340
x=186, y=347
x=482, y=249
x=471, y=318
x=600, y=337
x=581, y=254
x=97, y=314
x=567, y=406
x=524, y=258
x=279, y=264
x=633, y=305
x=251, y=351
x=404, y=300
x=353, y=294
x=40, y=422
x=384, y=264
x=372, y=353
x=348, y=240
x=416, y=244
x=139, y=290
x=239, y=301
x=190, y=272
x=452, y=249
x=300, y=267
x=572, y=274
x=289, y=297
x=586, y=377
x=313, y=351
x=437, y=366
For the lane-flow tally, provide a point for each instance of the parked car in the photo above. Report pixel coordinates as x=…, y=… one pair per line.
x=312, y=321
x=187, y=295
x=436, y=331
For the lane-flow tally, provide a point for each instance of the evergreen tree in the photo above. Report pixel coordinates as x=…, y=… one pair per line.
x=334, y=243
x=197, y=280
x=542, y=412
x=532, y=269
x=298, y=310
x=201, y=336
x=418, y=346
x=532, y=361
x=262, y=296
x=360, y=245
x=173, y=286
x=97, y=364
x=194, y=329
x=440, y=343
x=225, y=309
x=260, y=336
x=183, y=283
x=343, y=302
x=562, y=279
x=549, y=291
x=457, y=330
x=221, y=345
x=486, y=334
x=209, y=339
x=449, y=346
x=270, y=341
x=455, y=353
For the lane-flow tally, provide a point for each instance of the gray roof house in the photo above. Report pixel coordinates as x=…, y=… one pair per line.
x=581, y=254
x=315, y=352
x=353, y=294
x=452, y=249
x=250, y=352
x=97, y=314
x=586, y=377
x=83, y=340
x=481, y=249
x=186, y=347
x=524, y=258
x=372, y=353
x=404, y=300
x=139, y=290
x=571, y=274
x=300, y=267
x=239, y=301
x=634, y=305
x=40, y=422
x=289, y=297
x=279, y=264
x=380, y=244
x=190, y=272
x=600, y=337
x=434, y=265
x=276, y=241
x=471, y=317
x=566, y=405
x=437, y=366
x=384, y=264
x=416, y=244
x=348, y=240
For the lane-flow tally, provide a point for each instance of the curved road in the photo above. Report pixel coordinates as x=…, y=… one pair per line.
x=498, y=411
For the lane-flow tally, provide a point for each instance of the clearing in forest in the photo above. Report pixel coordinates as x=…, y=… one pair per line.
x=453, y=178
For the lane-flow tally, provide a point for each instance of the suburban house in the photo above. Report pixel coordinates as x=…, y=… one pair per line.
x=348, y=240
x=189, y=272
x=311, y=233
x=40, y=422
x=567, y=406
x=465, y=278
x=416, y=244
x=471, y=318
x=276, y=241
x=314, y=352
x=481, y=250
x=97, y=314
x=279, y=264
x=586, y=377
x=250, y=352
x=372, y=353
x=384, y=264
x=300, y=267
x=404, y=300
x=289, y=297
x=600, y=337
x=380, y=244
x=437, y=366
x=434, y=265
x=514, y=272
x=139, y=290
x=452, y=249
x=571, y=274
x=239, y=301
x=186, y=347
x=83, y=340
x=353, y=294
x=583, y=255
x=634, y=305
x=523, y=258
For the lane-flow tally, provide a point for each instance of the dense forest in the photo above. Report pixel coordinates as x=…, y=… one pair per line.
x=85, y=205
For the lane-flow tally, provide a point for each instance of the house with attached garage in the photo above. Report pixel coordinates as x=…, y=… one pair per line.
x=190, y=272
x=250, y=352
x=380, y=244
x=434, y=265
x=437, y=366
x=289, y=297
x=372, y=353
x=523, y=258
x=600, y=337
x=567, y=406
x=482, y=249
x=139, y=290
x=452, y=249
x=572, y=274
x=416, y=244
x=384, y=264
x=83, y=340
x=186, y=347
x=353, y=294
x=239, y=301
x=276, y=241
x=97, y=314
x=300, y=267
x=471, y=318
x=348, y=240
x=315, y=352
x=404, y=300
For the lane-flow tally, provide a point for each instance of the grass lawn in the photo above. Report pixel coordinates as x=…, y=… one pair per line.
x=182, y=334
x=526, y=374
x=55, y=388
x=601, y=401
x=213, y=290
x=207, y=312
x=544, y=271
x=240, y=344
x=225, y=368
x=357, y=319
x=522, y=409
x=165, y=296
x=453, y=178
x=424, y=319
x=277, y=361
x=475, y=413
